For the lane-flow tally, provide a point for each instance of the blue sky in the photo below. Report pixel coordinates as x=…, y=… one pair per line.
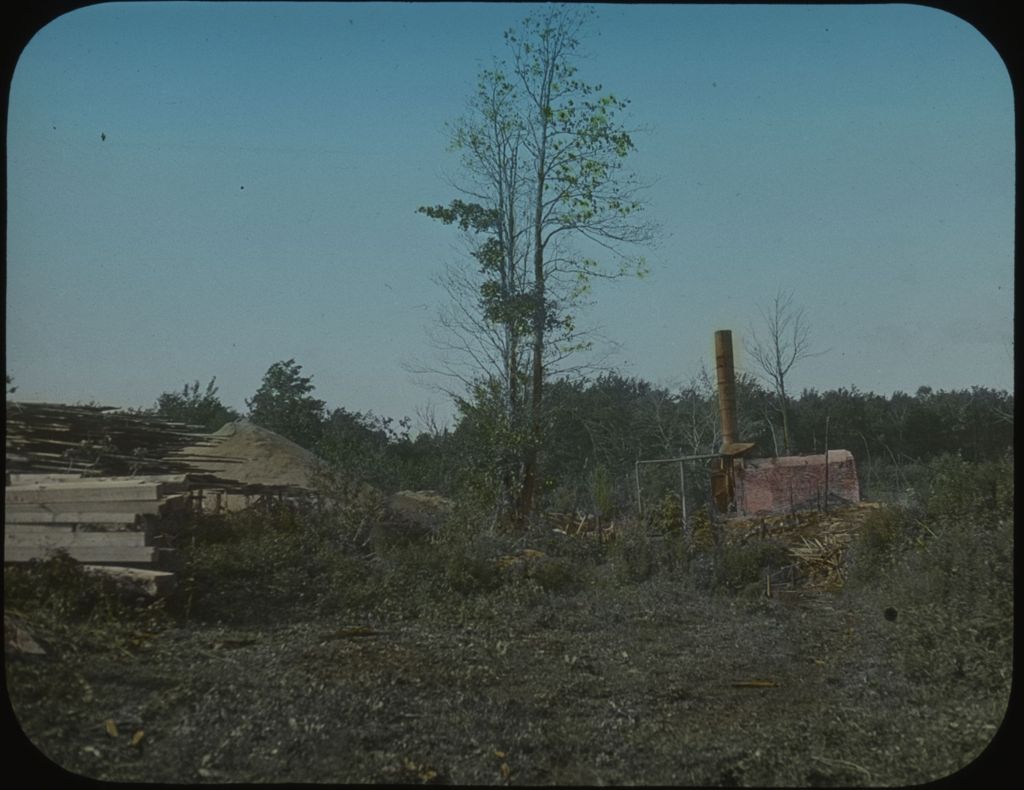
x=199, y=189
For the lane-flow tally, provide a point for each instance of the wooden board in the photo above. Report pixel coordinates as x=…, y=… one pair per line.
x=108, y=554
x=34, y=528
x=50, y=478
x=56, y=539
x=143, y=580
x=44, y=517
x=118, y=489
x=25, y=478
x=80, y=527
x=148, y=507
x=98, y=506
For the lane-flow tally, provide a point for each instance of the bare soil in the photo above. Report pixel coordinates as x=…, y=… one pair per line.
x=653, y=683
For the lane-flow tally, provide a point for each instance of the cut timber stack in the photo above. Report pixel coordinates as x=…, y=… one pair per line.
x=95, y=440
x=101, y=520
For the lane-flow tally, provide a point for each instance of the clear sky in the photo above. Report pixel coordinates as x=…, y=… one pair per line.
x=200, y=189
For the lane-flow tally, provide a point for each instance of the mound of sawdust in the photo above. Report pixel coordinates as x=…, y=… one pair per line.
x=249, y=454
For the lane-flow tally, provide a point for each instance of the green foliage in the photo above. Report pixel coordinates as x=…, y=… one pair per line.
x=962, y=533
x=603, y=493
x=738, y=567
x=492, y=441
x=667, y=515
x=884, y=536
x=195, y=407
x=61, y=588
x=611, y=421
x=555, y=574
x=371, y=448
x=901, y=428
x=283, y=404
x=631, y=557
x=959, y=488
x=946, y=569
x=544, y=153
x=271, y=561
x=469, y=571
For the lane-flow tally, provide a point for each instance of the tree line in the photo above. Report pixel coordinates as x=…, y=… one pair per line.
x=597, y=428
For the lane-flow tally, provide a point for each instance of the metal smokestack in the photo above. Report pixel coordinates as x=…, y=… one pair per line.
x=726, y=385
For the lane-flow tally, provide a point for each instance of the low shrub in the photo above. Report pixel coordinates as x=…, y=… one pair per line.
x=60, y=587
x=957, y=487
x=555, y=574
x=885, y=534
x=257, y=563
x=631, y=555
x=471, y=571
x=737, y=567
x=945, y=572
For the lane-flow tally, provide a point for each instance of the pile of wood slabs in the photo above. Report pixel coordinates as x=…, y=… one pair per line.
x=101, y=520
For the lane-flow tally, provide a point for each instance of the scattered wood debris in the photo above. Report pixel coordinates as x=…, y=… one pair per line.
x=18, y=640
x=817, y=542
x=578, y=524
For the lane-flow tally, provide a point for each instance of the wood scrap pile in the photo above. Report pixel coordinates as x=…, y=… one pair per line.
x=821, y=560
x=103, y=520
x=95, y=440
x=816, y=540
x=578, y=524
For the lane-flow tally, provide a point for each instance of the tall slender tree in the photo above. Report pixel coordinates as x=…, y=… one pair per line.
x=543, y=155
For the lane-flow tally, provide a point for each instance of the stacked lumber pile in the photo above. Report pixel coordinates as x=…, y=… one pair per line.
x=95, y=440
x=103, y=520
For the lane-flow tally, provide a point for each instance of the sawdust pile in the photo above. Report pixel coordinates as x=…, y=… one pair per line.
x=249, y=454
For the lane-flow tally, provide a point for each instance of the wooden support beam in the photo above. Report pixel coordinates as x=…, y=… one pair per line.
x=69, y=517
x=22, y=512
x=71, y=538
x=120, y=489
x=106, y=554
x=43, y=528
x=24, y=478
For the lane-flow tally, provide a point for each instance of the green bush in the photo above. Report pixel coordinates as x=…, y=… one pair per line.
x=885, y=534
x=956, y=487
x=947, y=569
x=555, y=574
x=738, y=567
x=60, y=587
x=254, y=563
x=962, y=505
x=631, y=555
x=668, y=515
x=468, y=572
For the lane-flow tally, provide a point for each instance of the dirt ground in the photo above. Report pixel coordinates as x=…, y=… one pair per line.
x=660, y=685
